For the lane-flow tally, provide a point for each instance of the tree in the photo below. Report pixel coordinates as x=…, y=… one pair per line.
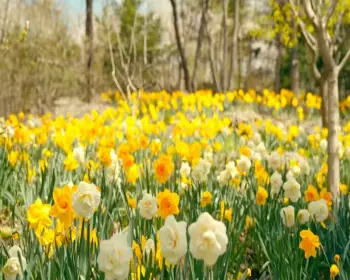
x=129, y=47
x=277, y=26
x=295, y=71
x=224, y=72
x=323, y=41
x=40, y=61
x=89, y=49
x=4, y=21
x=180, y=47
x=199, y=42
x=234, y=54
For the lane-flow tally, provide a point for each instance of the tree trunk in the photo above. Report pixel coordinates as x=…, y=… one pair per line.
x=224, y=51
x=145, y=40
x=89, y=51
x=324, y=106
x=180, y=47
x=239, y=65
x=333, y=124
x=249, y=67
x=212, y=67
x=234, y=55
x=179, y=76
x=199, y=43
x=279, y=60
x=4, y=22
x=295, y=76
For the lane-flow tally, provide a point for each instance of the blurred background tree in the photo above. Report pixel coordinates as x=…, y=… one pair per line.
x=226, y=45
x=132, y=36
x=40, y=60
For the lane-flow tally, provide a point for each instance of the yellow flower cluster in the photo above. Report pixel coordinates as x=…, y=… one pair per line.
x=174, y=165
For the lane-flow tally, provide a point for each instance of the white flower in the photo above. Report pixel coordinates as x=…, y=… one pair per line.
x=208, y=156
x=261, y=148
x=185, y=169
x=290, y=175
x=303, y=216
x=292, y=189
x=224, y=178
x=79, y=154
x=86, y=200
x=114, y=156
x=244, y=164
x=276, y=183
x=226, y=131
x=288, y=216
x=275, y=160
x=319, y=210
x=183, y=186
x=323, y=145
x=256, y=156
x=295, y=170
x=114, y=257
x=31, y=124
x=231, y=168
x=257, y=137
x=201, y=170
x=304, y=167
x=173, y=240
x=148, y=206
x=251, y=145
x=12, y=267
x=124, y=126
x=149, y=247
x=113, y=170
x=10, y=132
x=208, y=239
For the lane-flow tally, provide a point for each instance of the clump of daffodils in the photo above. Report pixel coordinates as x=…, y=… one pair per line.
x=15, y=265
x=208, y=239
x=115, y=256
x=86, y=199
x=195, y=189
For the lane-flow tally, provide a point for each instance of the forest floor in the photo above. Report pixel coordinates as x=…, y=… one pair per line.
x=78, y=108
x=241, y=113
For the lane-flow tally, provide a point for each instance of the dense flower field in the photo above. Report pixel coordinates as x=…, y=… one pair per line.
x=173, y=187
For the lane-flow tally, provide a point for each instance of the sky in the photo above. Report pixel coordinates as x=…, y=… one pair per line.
x=161, y=7
x=78, y=6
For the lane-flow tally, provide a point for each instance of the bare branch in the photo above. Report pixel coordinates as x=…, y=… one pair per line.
x=199, y=42
x=316, y=73
x=330, y=12
x=310, y=12
x=211, y=59
x=344, y=60
x=337, y=28
x=310, y=39
x=113, y=69
x=180, y=46
x=132, y=40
